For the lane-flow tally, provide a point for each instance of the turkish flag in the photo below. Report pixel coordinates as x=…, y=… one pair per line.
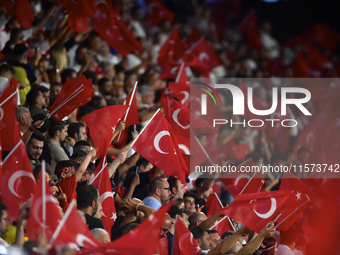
x=43, y=203
x=170, y=71
x=300, y=66
x=78, y=8
x=157, y=143
x=156, y=11
x=213, y=204
x=181, y=87
x=131, y=116
x=103, y=184
x=223, y=225
x=78, y=24
x=191, y=38
x=172, y=49
x=8, y=108
x=0, y=163
x=303, y=197
x=205, y=53
x=321, y=35
x=17, y=179
x=191, y=60
x=184, y=242
x=146, y=237
x=76, y=92
x=72, y=229
x=102, y=124
x=250, y=29
x=104, y=11
x=20, y=10
x=256, y=210
x=118, y=36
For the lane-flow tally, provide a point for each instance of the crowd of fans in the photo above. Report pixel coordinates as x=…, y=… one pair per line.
x=48, y=54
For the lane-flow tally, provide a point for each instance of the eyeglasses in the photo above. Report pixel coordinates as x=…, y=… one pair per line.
x=168, y=189
x=5, y=219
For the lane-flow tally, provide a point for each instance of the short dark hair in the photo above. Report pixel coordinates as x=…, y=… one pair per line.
x=102, y=82
x=37, y=135
x=174, y=210
x=62, y=164
x=32, y=96
x=16, y=34
x=74, y=128
x=78, y=154
x=86, y=109
x=55, y=83
x=3, y=207
x=212, y=231
x=85, y=195
x=79, y=144
x=41, y=116
x=198, y=232
x=4, y=68
x=91, y=75
x=200, y=180
x=189, y=194
x=20, y=50
x=43, y=89
x=156, y=183
x=67, y=73
x=56, y=126
x=37, y=170
x=172, y=182
x=142, y=162
x=91, y=168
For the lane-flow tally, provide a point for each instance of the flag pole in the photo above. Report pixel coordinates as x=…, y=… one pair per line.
x=127, y=112
x=143, y=129
x=101, y=170
x=292, y=213
x=62, y=222
x=205, y=152
x=248, y=182
x=8, y=98
x=74, y=94
x=43, y=179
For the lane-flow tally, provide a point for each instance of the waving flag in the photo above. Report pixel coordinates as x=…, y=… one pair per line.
x=256, y=210
x=184, y=242
x=103, y=184
x=17, y=179
x=43, y=202
x=191, y=38
x=20, y=10
x=102, y=124
x=157, y=143
x=181, y=87
x=223, y=225
x=172, y=49
x=76, y=92
x=156, y=11
x=250, y=29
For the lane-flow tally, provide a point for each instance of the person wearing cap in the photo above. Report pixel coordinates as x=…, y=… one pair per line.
x=68, y=177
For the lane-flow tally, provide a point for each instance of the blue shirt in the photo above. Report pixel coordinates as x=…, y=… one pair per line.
x=152, y=202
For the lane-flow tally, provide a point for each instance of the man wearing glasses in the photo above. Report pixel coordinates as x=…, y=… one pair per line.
x=4, y=223
x=159, y=193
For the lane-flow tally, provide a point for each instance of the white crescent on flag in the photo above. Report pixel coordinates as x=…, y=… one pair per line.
x=270, y=212
x=175, y=118
x=14, y=177
x=158, y=138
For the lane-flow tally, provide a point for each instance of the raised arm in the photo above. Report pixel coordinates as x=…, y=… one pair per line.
x=83, y=166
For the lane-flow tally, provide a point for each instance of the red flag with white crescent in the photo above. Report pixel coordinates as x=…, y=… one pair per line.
x=156, y=11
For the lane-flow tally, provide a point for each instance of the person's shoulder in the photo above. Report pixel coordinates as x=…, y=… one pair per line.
x=93, y=222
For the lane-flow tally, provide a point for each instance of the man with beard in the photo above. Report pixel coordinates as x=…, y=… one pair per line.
x=35, y=147
x=159, y=193
x=87, y=202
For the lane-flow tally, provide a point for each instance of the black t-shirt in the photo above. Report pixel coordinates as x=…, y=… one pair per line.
x=117, y=230
x=93, y=222
x=170, y=241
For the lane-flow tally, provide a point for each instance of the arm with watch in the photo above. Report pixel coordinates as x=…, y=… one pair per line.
x=27, y=135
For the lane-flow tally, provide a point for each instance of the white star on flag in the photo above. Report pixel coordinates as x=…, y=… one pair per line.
x=298, y=195
x=114, y=216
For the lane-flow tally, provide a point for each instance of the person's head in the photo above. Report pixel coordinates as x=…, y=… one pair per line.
x=78, y=156
x=160, y=189
x=196, y=218
x=68, y=74
x=88, y=199
x=24, y=118
x=105, y=86
x=180, y=203
x=268, y=246
x=49, y=172
x=46, y=94
x=144, y=165
x=173, y=212
x=176, y=187
x=184, y=217
x=166, y=225
x=82, y=145
x=35, y=98
x=55, y=89
x=189, y=202
x=6, y=71
x=4, y=218
x=215, y=238
x=101, y=235
x=88, y=172
x=58, y=131
x=202, y=238
x=20, y=53
x=65, y=169
x=77, y=131
x=97, y=102
x=35, y=145
x=148, y=94
x=200, y=181
x=17, y=36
